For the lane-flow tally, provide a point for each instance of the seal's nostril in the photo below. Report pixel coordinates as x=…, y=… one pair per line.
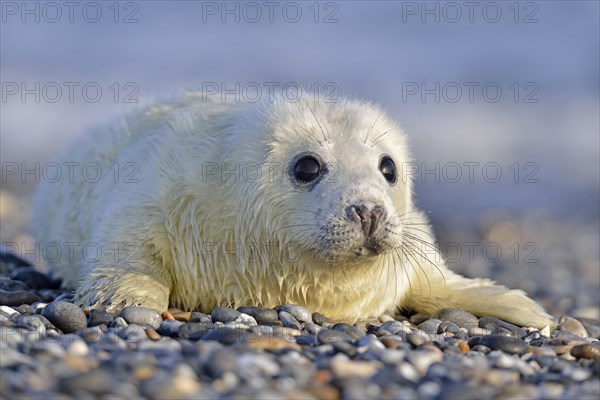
x=369, y=219
x=362, y=212
x=376, y=216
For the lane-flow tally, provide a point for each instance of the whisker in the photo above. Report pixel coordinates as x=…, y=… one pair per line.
x=421, y=253
x=311, y=135
x=372, y=125
x=381, y=137
x=420, y=230
x=318, y=123
x=411, y=255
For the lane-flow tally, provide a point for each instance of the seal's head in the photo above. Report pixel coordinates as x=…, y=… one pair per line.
x=332, y=179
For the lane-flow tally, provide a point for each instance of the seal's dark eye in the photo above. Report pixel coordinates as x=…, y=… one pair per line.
x=307, y=169
x=388, y=169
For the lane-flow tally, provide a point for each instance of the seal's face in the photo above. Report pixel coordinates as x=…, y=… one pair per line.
x=342, y=196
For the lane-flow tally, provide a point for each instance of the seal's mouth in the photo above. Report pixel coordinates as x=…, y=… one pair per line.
x=362, y=251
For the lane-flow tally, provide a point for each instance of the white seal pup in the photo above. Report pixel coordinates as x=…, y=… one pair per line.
x=255, y=204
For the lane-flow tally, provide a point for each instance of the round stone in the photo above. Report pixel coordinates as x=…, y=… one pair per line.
x=221, y=361
x=246, y=319
x=17, y=297
x=508, y=344
x=590, y=351
x=429, y=326
x=288, y=320
x=65, y=316
x=224, y=314
x=10, y=286
x=448, y=326
x=320, y=319
x=31, y=323
x=34, y=279
x=327, y=336
x=170, y=327
x=497, y=326
x=572, y=325
x=141, y=316
x=461, y=318
x=299, y=312
x=262, y=315
x=196, y=316
x=227, y=335
x=192, y=330
x=99, y=317
x=351, y=330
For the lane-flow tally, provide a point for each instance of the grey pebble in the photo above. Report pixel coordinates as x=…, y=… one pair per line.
x=508, y=344
x=34, y=279
x=418, y=319
x=95, y=382
x=448, y=326
x=132, y=333
x=11, y=285
x=288, y=320
x=31, y=323
x=394, y=327
x=417, y=339
x=220, y=362
x=481, y=348
x=320, y=319
x=25, y=309
x=224, y=314
x=262, y=315
x=429, y=326
x=166, y=347
x=68, y=296
x=246, y=320
x=118, y=322
x=345, y=347
x=17, y=297
x=461, y=318
x=497, y=326
x=192, y=330
x=67, y=317
x=299, y=312
x=196, y=316
x=141, y=316
x=354, y=331
x=227, y=335
x=92, y=334
x=310, y=340
x=99, y=317
x=328, y=336
x=170, y=327
x=312, y=328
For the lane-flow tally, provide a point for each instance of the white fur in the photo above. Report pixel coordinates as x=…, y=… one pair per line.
x=203, y=239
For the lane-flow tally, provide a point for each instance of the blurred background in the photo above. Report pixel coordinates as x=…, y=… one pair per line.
x=500, y=101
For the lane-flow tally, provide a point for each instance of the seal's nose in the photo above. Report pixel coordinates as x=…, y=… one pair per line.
x=369, y=218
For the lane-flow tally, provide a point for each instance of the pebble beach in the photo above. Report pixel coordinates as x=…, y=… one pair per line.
x=53, y=349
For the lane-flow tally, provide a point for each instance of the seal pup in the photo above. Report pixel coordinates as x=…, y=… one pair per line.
x=255, y=204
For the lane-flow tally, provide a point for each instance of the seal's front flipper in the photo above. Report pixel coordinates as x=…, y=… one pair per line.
x=480, y=297
x=113, y=289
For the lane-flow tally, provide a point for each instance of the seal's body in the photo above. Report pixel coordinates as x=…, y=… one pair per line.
x=261, y=204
